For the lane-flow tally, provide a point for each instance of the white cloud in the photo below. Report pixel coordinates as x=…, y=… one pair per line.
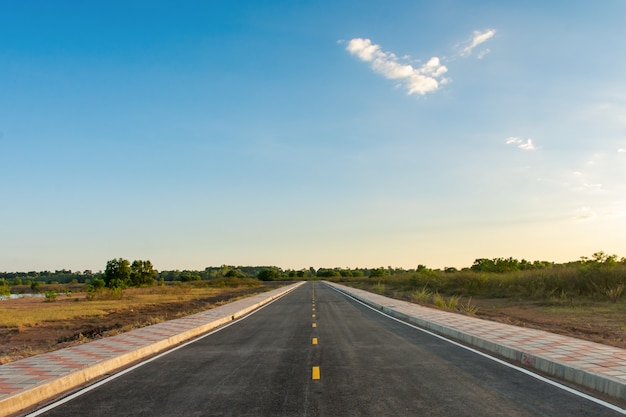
x=422, y=80
x=585, y=214
x=609, y=210
x=482, y=53
x=479, y=38
x=527, y=145
x=621, y=150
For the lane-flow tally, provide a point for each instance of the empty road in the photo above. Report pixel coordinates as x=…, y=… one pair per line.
x=316, y=352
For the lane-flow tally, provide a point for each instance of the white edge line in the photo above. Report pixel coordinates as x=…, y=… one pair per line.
x=147, y=361
x=493, y=358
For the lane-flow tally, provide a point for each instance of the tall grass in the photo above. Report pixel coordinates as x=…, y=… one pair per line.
x=450, y=303
x=422, y=295
x=566, y=282
x=379, y=287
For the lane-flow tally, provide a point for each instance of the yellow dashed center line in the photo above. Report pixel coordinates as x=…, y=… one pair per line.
x=315, y=370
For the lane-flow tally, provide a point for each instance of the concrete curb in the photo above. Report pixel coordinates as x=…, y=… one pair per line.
x=569, y=371
x=45, y=391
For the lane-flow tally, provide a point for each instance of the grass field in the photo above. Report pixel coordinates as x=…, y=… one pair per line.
x=39, y=310
x=30, y=326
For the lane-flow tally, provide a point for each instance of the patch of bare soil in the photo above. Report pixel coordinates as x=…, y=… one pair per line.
x=598, y=322
x=18, y=343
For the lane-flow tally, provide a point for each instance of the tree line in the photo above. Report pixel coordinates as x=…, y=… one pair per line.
x=120, y=272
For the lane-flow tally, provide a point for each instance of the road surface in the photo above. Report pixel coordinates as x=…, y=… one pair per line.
x=316, y=352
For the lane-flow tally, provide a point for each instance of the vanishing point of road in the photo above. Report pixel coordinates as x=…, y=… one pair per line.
x=317, y=352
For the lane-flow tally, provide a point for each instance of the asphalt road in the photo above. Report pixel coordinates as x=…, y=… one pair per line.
x=316, y=352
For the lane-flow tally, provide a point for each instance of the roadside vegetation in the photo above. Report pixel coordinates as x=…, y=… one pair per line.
x=600, y=278
x=583, y=298
x=121, y=273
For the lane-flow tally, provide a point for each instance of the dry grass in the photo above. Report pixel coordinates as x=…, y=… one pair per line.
x=14, y=315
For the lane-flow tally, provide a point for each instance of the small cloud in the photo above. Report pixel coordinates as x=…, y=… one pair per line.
x=482, y=53
x=597, y=158
x=585, y=214
x=527, y=145
x=621, y=150
x=422, y=80
x=479, y=38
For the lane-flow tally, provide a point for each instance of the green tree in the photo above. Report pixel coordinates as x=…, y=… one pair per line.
x=233, y=273
x=378, y=272
x=328, y=273
x=497, y=265
x=117, y=273
x=142, y=273
x=269, y=274
x=97, y=284
x=187, y=276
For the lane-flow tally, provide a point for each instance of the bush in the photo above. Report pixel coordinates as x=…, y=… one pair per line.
x=269, y=274
x=421, y=296
x=51, y=295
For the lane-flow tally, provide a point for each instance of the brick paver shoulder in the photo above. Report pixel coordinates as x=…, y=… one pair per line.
x=592, y=365
x=33, y=380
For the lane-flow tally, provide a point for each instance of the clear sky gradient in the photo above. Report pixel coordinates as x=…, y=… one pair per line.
x=310, y=133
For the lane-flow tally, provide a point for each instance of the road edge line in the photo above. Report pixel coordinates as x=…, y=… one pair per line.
x=48, y=390
x=405, y=319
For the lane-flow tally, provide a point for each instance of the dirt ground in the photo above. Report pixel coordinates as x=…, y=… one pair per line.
x=24, y=341
x=603, y=323
x=600, y=322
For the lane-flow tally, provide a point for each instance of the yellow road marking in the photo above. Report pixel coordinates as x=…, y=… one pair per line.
x=314, y=341
x=315, y=374
x=314, y=325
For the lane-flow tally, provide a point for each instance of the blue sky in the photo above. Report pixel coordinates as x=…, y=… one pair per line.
x=310, y=133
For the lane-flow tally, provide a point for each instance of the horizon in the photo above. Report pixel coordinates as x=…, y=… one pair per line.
x=583, y=258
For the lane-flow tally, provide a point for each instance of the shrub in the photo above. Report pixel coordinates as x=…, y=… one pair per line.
x=421, y=296
x=4, y=291
x=51, y=295
x=439, y=301
x=615, y=292
x=453, y=302
x=468, y=307
x=269, y=274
